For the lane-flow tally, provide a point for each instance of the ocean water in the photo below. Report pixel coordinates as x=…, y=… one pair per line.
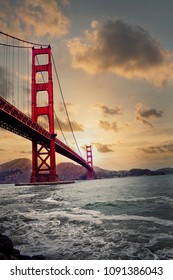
x=120, y=218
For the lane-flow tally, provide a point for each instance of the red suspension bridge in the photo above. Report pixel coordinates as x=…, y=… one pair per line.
x=16, y=96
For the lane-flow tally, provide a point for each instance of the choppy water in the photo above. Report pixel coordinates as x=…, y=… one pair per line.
x=121, y=218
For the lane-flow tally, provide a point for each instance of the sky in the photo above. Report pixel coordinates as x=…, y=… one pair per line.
x=115, y=63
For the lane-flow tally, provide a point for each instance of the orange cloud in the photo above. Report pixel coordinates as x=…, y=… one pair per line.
x=125, y=50
x=164, y=148
x=66, y=127
x=109, y=125
x=72, y=108
x=43, y=121
x=36, y=18
x=104, y=148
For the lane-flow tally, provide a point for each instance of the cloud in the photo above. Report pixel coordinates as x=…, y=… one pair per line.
x=43, y=121
x=65, y=126
x=109, y=125
x=166, y=148
x=66, y=3
x=116, y=110
x=143, y=114
x=104, y=148
x=94, y=24
x=123, y=49
x=36, y=18
x=146, y=123
x=147, y=113
x=72, y=108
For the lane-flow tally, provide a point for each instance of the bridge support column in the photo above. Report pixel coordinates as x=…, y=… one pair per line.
x=89, y=158
x=43, y=156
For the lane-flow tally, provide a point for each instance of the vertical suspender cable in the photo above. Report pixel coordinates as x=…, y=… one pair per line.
x=13, y=76
x=4, y=69
x=6, y=91
x=19, y=85
x=27, y=85
x=61, y=128
x=65, y=106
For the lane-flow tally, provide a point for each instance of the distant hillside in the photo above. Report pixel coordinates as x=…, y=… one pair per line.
x=104, y=173
x=15, y=171
x=71, y=171
x=19, y=171
x=166, y=170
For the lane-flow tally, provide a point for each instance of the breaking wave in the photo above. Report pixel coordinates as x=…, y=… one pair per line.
x=101, y=219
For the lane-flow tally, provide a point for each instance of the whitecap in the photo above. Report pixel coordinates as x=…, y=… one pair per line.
x=125, y=217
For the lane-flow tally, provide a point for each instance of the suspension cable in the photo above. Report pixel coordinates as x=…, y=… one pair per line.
x=42, y=45
x=18, y=44
x=15, y=46
x=21, y=40
x=61, y=129
x=60, y=88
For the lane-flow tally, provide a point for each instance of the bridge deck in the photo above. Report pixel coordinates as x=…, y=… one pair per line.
x=17, y=122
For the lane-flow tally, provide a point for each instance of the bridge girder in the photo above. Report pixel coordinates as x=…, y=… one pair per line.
x=17, y=122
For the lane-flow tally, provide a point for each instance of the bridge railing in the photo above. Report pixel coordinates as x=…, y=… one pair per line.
x=12, y=119
x=10, y=110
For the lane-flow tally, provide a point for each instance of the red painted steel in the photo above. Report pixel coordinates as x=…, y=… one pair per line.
x=89, y=158
x=44, y=143
x=14, y=120
x=17, y=122
x=43, y=156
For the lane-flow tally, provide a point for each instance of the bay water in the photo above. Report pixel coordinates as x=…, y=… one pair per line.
x=118, y=218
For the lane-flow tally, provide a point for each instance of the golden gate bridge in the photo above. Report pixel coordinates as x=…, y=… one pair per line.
x=20, y=60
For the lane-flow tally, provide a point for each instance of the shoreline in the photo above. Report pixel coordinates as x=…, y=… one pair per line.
x=8, y=252
x=45, y=183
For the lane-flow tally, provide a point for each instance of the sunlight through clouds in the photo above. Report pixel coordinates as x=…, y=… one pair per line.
x=115, y=64
x=38, y=17
x=126, y=50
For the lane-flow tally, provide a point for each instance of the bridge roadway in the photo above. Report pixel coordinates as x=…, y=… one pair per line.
x=17, y=122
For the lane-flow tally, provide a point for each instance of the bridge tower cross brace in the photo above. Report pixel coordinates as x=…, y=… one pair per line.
x=89, y=158
x=43, y=156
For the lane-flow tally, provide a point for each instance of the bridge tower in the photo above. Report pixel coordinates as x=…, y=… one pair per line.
x=43, y=156
x=89, y=159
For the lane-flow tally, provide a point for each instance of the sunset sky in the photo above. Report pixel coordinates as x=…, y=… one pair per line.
x=115, y=63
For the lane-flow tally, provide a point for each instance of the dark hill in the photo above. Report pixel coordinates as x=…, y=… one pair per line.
x=19, y=171
x=166, y=170
x=15, y=171
x=71, y=171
